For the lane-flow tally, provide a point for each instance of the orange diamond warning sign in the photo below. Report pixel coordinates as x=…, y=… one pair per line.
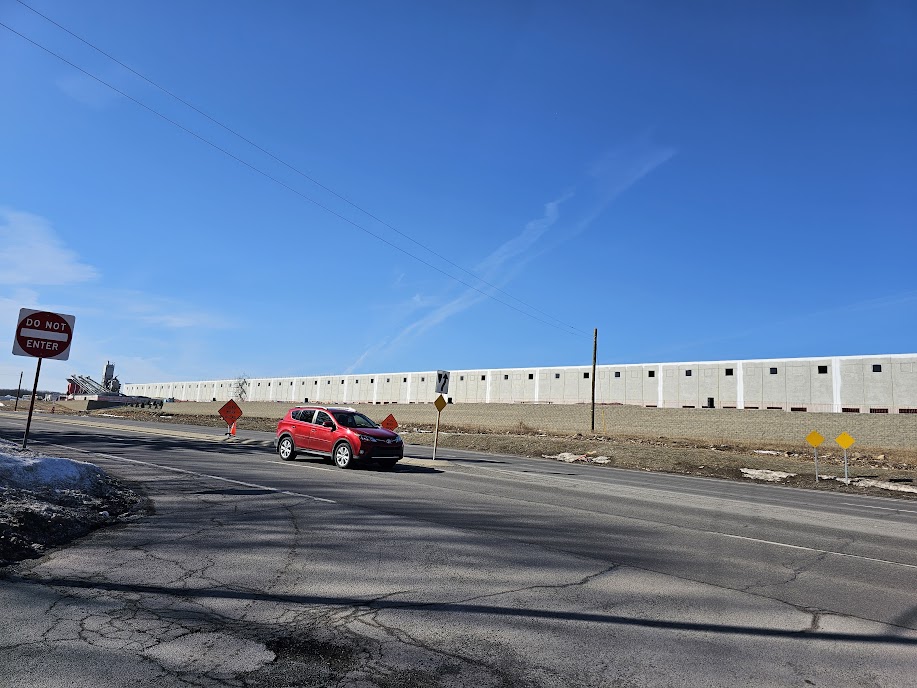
x=390, y=423
x=230, y=412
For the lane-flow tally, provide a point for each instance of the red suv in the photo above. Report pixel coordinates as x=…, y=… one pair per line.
x=340, y=434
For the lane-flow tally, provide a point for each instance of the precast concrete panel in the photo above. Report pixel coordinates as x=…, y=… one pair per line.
x=618, y=385
x=877, y=385
x=753, y=384
x=798, y=385
x=904, y=381
x=774, y=385
x=821, y=385
x=708, y=386
x=554, y=390
x=670, y=392
x=651, y=386
x=687, y=385
x=852, y=385
x=634, y=376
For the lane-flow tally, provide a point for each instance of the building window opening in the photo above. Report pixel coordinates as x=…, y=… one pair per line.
x=506, y=377
x=531, y=376
x=822, y=370
x=585, y=376
x=651, y=373
x=773, y=371
x=687, y=373
x=556, y=376
x=877, y=368
x=729, y=372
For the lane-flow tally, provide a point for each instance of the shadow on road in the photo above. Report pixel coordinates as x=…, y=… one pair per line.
x=466, y=608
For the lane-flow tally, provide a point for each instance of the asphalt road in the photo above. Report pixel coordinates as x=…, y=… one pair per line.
x=487, y=569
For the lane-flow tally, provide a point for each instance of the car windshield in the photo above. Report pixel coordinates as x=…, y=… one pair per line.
x=353, y=420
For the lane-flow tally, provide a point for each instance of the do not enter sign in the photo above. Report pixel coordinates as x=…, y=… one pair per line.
x=43, y=335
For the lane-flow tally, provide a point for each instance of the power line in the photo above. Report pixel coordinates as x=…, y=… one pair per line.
x=295, y=169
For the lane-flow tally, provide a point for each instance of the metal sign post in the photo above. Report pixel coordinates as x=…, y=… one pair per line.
x=18, y=393
x=846, y=441
x=815, y=438
x=440, y=404
x=28, y=422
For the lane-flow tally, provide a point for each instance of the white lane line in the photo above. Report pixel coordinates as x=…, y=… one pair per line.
x=302, y=465
x=810, y=549
x=884, y=508
x=200, y=475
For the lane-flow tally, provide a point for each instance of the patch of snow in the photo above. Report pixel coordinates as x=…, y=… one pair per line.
x=764, y=474
x=766, y=451
x=601, y=459
x=566, y=457
x=868, y=482
x=26, y=470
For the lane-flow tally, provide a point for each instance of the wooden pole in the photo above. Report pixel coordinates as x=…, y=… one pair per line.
x=595, y=347
x=28, y=423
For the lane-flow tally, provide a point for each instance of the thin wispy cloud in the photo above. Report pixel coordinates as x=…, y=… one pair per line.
x=613, y=174
x=158, y=311
x=32, y=254
x=490, y=269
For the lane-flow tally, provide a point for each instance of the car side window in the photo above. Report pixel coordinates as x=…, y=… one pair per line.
x=321, y=418
x=295, y=414
x=305, y=415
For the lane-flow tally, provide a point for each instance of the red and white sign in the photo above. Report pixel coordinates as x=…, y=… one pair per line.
x=43, y=335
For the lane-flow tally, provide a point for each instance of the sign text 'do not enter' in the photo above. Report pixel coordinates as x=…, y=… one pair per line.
x=43, y=334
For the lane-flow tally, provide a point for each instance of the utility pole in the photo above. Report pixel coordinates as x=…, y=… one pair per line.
x=18, y=392
x=595, y=348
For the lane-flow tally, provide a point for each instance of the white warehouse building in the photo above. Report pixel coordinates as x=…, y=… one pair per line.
x=851, y=384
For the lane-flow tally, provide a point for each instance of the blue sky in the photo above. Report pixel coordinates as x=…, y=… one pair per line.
x=702, y=180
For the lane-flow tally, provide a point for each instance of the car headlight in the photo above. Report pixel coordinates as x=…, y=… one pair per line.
x=367, y=438
x=397, y=439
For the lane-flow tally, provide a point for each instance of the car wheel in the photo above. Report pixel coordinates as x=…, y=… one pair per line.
x=286, y=448
x=343, y=455
x=387, y=464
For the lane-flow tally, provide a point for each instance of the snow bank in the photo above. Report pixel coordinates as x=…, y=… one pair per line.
x=567, y=457
x=764, y=474
x=27, y=470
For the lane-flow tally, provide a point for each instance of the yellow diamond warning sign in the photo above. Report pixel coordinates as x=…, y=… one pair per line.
x=845, y=440
x=814, y=438
x=440, y=403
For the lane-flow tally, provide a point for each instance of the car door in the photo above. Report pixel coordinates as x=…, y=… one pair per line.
x=322, y=437
x=302, y=427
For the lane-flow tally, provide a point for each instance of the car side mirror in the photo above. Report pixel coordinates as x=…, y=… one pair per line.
x=328, y=424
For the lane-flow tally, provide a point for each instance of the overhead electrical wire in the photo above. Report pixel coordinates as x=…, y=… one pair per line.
x=563, y=326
